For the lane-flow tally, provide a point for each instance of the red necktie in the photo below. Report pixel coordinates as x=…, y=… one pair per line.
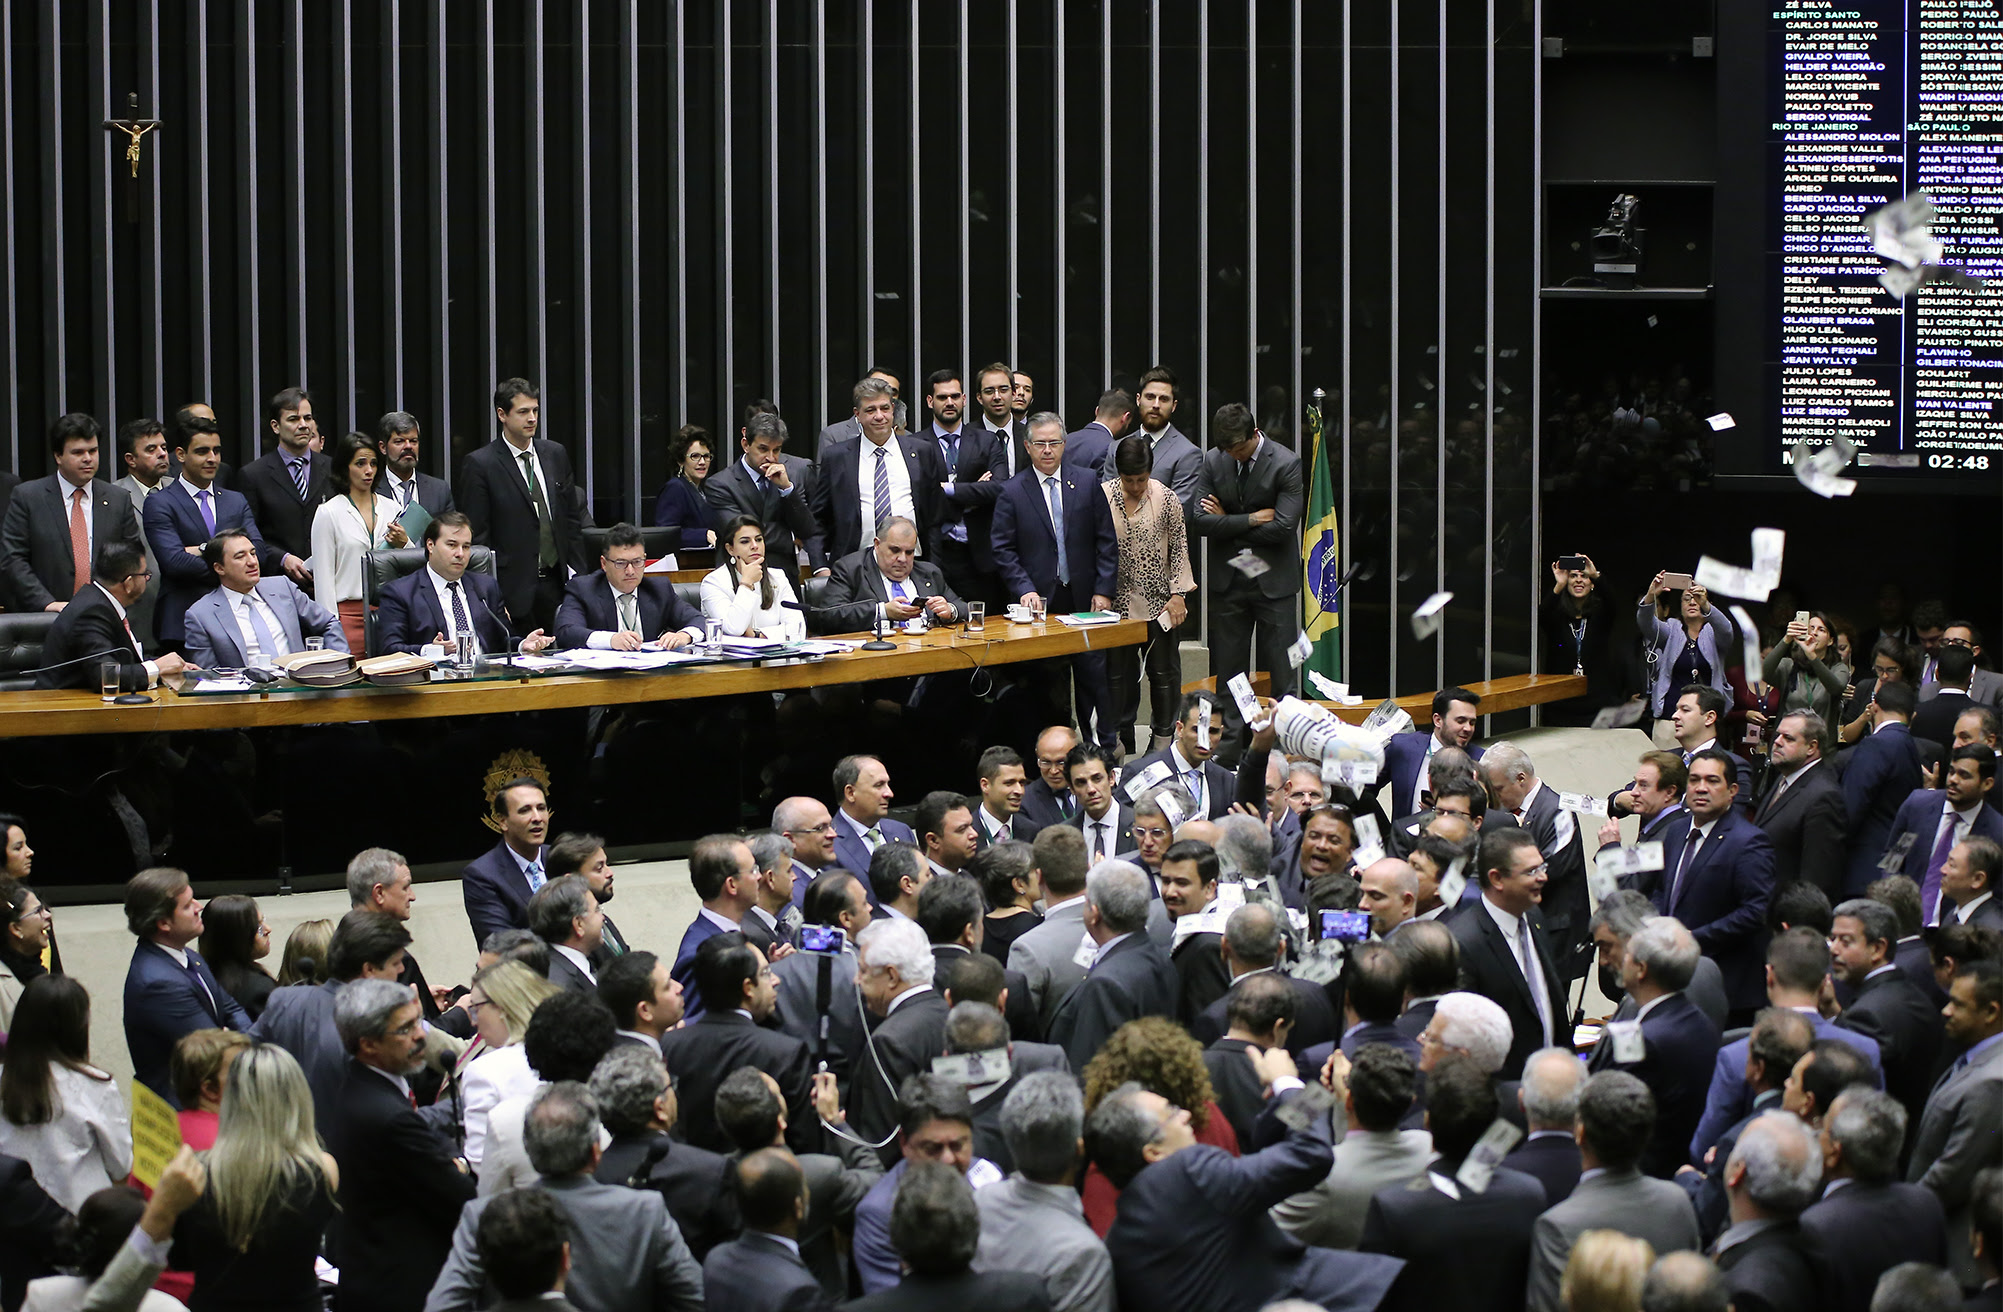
x=79, y=543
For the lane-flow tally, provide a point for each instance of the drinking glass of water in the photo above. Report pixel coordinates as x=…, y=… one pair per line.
x=107, y=677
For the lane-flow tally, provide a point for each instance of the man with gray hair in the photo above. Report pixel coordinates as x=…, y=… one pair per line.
x=1614, y=921
x=1779, y=1040
x=565, y=915
x=1129, y=977
x=626, y=1253
x=379, y=880
x=1868, y=1220
x=773, y=917
x=637, y=1107
x=893, y=971
x=401, y=1184
x=1678, y=1044
x=1254, y=942
x=1773, y=1174
x=1684, y=1282
x=1034, y=1220
x=1917, y=1287
x=1512, y=780
x=1471, y=1025
x=1552, y=1081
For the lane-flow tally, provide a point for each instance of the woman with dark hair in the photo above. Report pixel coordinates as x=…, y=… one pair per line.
x=1579, y=639
x=60, y=1114
x=681, y=503
x=353, y=521
x=1892, y=661
x=1153, y=584
x=1796, y=665
x=745, y=596
x=25, y=926
x=20, y=864
x=1694, y=647
x=89, y=1241
x=234, y=939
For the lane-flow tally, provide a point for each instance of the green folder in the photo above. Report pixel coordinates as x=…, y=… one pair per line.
x=415, y=519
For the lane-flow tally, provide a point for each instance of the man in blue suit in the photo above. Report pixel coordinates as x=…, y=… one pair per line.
x=1721, y=883
x=1054, y=542
x=250, y=619
x=725, y=875
x=862, y=816
x=1089, y=446
x=497, y=887
x=168, y=988
x=1678, y=1040
x=443, y=600
x=1938, y=818
x=183, y=515
x=1409, y=756
x=619, y=608
x=1797, y=963
x=1879, y=774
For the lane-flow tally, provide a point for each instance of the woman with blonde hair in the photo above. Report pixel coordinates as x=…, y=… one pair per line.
x=504, y=996
x=305, y=959
x=1605, y=1272
x=1160, y=1056
x=252, y=1239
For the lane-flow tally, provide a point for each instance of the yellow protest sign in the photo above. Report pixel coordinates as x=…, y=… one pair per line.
x=156, y=1134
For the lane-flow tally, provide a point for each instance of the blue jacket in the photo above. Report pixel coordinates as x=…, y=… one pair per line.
x=1879, y=774
x=162, y=1003
x=174, y=523
x=1403, y=755
x=852, y=853
x=1723, y=901
x=495, y=892
x=1920, y=815
x=698, y=933
x=1677, y=1041
x=1730, y=1098
x=409, y=615
x=1026, y=544
x=213, y=638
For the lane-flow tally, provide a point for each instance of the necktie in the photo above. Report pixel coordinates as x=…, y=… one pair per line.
x=629, y=613
x=1056, y=498
x=130, y=636
x=875, y=837
x=208, y=510
x=949, y=449
x=881, y=502
x=261, y=635
x=545, y=536
x=403, y=493
x=202, y=989
x=1196, y=788
x=1244, y=470
x=1683, y=866
x=535, y=876
x=298, y=468
x=1930, y=890
x=79, y=543
x=1541, y=995
x=1067, y=803
x=460, y=622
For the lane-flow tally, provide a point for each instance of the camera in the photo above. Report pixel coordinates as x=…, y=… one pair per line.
x=821, y=938
x=1617, y=244
x=1345, y=926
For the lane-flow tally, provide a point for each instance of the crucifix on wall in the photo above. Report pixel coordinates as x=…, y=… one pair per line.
x=135, y=128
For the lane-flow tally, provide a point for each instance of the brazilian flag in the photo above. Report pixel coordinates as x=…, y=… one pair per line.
x=1321, y=559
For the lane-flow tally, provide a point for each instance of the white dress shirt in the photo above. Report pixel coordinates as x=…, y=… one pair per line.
x=1183, y=769
x=242, y=606
x=340, y=540
x=577, y=959
x=1102, y=836
x=467, y=599
x=900, y=486
x=601, y=639
x=1533, y=970
x=152, y=669
x=740, y=609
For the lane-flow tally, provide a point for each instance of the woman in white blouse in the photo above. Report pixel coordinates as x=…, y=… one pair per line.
x=503, y=998
x=746, y=597
x=349, y=524
x=60, y=1114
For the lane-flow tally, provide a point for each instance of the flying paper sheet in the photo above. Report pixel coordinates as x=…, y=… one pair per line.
x=1620, y=716
x=1720, y=422
x=1755, y=583
x=1426, y=620
x=1749, y=634
x=1248, y=564
x=1299, y=651
x=1584, y=802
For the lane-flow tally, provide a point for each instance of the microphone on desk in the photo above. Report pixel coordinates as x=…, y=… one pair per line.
x=513, y=643
x=120, y=652
x=876, y=641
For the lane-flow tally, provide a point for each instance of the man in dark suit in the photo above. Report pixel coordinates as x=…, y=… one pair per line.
x=402, y=482
x=1054, y=546
x=1048, y=800
x=894, y=968
x=168, y=988
x=1129, y=976
x=994, y=391
x=182, y=516
x=300, y=1017
x=773, y=488
x=726, y=880
x=950, y=912
x=1254, y=939
x=55, y=527
x=761, y=1270
x=565, y=915
x=517, y=491
x=284, y=486
x=1250, y=497
x=1189, y=758
x=1258, y=1012
x=737, y=980
x=1106, y=821
x=1780, y=1039
x=31, y=1224
x=1237, y=1259
x=1552, y=1080
x=886, y=581
x=1721, y=882
x=1770, y=1176
x=1503, y=953
x=401, y=1186
x=1879, y=774
x=849, y=427
x=1938, y=818
x=1089, y=447
x=864, y=482
x=1802, y=811
x=445, y=599
x=1408, y=757
x=935, y=1229
x=1679, y=1042
x=1969, y=881
x=1003, y=781
x=619, y=608
x=1888, y=1007
x=1189, y=874
x=95, y=627
x=976, y=469
x=862, y=815
x=1512, y=779
x=1867, y=1223
x=1462, y=1248
x=1952, y=694
x=497, y=887
x=1177, y=462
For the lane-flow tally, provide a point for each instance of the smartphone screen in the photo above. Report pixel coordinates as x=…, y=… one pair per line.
x=1345, y=926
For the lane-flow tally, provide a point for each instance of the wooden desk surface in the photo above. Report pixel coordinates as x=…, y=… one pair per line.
x=1497, y=695
x=46, y=714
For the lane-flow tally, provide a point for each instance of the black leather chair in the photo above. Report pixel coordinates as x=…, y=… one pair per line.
x=813, y=595
x=22, y=634
x=691, y=594
x=659, y=541
x=381, y=568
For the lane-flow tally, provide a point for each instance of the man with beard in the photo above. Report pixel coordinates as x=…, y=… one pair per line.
x=397, y=440
x=584, y=854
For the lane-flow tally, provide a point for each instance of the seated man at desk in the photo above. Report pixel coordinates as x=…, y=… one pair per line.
x=441, y=601
x=619, y=608
x=93, y=628
x=886, y=581
x=250, y=619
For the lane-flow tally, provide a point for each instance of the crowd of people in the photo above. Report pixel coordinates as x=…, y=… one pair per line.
x=1091, y=1034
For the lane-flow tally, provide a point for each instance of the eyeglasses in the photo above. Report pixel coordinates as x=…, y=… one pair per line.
x=473, y=1006
x=825, y=827
x=1885, y=671
x=410, y=1028
x=1540, y=868
x=1140, y=832
x=1046, y=443
x=640, y=563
